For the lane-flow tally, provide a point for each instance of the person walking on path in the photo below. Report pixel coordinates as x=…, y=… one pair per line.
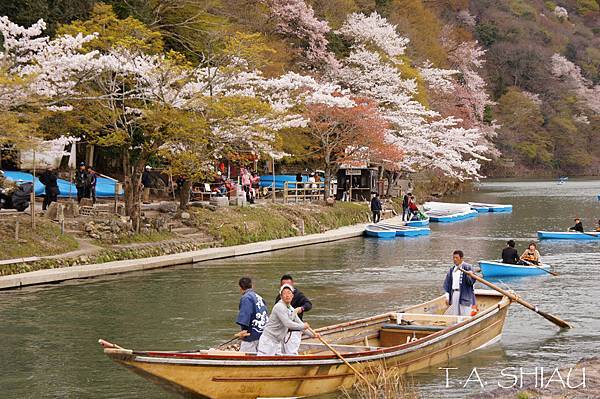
x=252, y=316
x=283, y=319
x=92, y=181
x=405, y=204
x=301, y=305
x=147, y=183
x=50, y=181
x=81, y=182
x=458, y=286
x=376, y=208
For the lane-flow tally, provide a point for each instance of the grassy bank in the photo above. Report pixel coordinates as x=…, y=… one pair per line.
x=234, y=226
x=44, y=240
x=227, y=226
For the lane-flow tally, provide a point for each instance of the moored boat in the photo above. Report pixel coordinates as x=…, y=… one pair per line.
x=406, y=231
x=414, y=338
x=498, y=269
x=418, y=223
x=484, y=208
x=450, y=216
x=568, y=235
x=374, y=230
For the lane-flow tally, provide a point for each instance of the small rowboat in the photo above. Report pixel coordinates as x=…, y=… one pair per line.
x=499, y=269
x=418, y=337
x=450, y=216
x=568, y=235
x=484, y=208
x=417, y=223
x=374, y=230
x=406, y=231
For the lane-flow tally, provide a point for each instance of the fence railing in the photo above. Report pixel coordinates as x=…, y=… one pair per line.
x=303, y=191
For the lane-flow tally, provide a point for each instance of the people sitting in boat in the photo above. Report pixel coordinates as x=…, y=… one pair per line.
x=252, y=317
x=283, y=319
x=510, y=254
x=578, y=226
x=531, y=254
x=301, y=305
x=460, y=295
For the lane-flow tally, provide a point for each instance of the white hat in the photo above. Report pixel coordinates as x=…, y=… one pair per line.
x=284, y=287
x=148, y=167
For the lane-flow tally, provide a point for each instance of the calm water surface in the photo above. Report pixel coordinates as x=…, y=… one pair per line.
x=48, y=334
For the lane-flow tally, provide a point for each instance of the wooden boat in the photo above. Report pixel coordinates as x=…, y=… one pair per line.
x=498, y=269
x=568, y=235
x=406, y=231
x=374, y=230
x=484, y=208
x=414, y=338
x=450, y=216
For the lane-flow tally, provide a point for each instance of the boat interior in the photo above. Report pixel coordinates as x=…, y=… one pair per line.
x=389, y=329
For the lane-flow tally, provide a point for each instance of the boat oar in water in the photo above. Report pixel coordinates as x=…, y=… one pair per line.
x=559, y=322
x=541, y=268
x=339, y=355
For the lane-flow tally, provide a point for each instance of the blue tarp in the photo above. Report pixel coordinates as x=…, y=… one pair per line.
x=104, y=187
x=267, y=180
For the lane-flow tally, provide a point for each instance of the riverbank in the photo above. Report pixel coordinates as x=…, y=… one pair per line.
x=239, y=231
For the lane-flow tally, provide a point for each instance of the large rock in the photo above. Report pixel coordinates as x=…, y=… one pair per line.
x=219, y=202
x=167, y=207
x=71, y=209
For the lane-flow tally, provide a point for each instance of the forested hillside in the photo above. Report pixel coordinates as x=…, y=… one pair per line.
x=461, y=83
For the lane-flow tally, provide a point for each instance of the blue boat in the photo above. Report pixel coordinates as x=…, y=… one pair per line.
x=417, y=223
x=491, y=268
x=568, y=235
x=380, y=232
x=450, y=216
x=104, y=187
x=406, y=231
x=484, y=208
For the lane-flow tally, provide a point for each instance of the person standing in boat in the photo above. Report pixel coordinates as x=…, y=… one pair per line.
x=376, y=208
x=510, y=254
x=460, y=295
x=283, y=319
x=531, y=254
x=301, y=305
x=578, y=226
x=252, y=318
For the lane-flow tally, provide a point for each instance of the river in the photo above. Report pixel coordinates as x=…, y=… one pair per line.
x=48, y=334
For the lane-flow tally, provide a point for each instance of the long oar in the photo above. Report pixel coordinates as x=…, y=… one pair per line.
x=559, y=322
x=339, y=355
x=541, y=268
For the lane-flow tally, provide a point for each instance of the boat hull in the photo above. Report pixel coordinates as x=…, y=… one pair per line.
x=499, y=269
x=485, y=208
x=418, y=223
x=451, y=218
x=379, y=232
x=413, y=232
x=249, y=377
x=568, y=235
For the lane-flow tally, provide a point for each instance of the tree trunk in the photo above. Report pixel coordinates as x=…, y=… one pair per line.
x=184, y=194
x=133, y=190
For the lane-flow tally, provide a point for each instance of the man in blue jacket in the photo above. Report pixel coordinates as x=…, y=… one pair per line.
x=252, y=318
x=460, y=295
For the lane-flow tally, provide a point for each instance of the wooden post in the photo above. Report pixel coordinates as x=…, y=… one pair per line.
x=285, y=192
x=32, y=197
x=62, y=226
x=273, y=172
x=17, y=223
x=117, y=191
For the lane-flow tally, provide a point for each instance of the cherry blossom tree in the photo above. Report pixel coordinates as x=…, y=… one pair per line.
x=570, y=73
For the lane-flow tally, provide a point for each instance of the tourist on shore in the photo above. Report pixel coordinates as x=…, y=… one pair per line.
x=346, y=193
x=283, y=319
x=93, y=180
x=81, y=182
x=147, y=183
x=376, y=208
x=301, y=305
x=405, y=204
x=460, y=296
x=510, y=254
x=246, y=182
x=531, y=254
x=50, y=181
x=413, y=209
x=578, y=226
x=252, y=316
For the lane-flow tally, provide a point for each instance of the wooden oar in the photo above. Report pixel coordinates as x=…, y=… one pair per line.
x=559, y=322
x=339, y=355
x=541, y=268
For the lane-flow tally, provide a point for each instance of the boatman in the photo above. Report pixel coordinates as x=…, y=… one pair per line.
x=578, y=226
x=283, y=319
x=301, y=305
x=460, y=295
x=252, y=317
